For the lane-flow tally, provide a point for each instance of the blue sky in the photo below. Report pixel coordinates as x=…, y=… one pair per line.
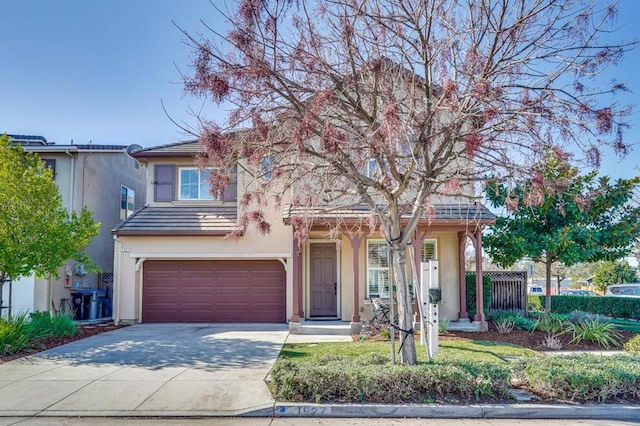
x=99, y=70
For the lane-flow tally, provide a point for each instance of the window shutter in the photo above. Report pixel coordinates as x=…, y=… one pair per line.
x=429, y=250
x=165, y=175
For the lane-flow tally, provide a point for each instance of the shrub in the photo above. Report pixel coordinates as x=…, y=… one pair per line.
x=14, y=335
x=504, y=326
x=520, y=322
x=602, y=333
x=43, y=324
x=534, y=304
x=471, y=294
x=578, y=317
x=354, y=380
x=552, y=342
x=633, y=345
x=550, y=323
x=583, y=378
x=21, y=332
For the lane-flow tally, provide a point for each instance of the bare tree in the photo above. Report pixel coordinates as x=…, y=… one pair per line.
x=395, y=104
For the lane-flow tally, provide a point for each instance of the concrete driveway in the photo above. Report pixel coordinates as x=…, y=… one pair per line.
x=148, y=370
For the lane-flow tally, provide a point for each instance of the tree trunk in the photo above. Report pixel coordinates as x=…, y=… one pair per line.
x=405, y=310
x=547, y=297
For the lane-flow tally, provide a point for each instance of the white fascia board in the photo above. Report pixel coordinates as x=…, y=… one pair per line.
x=212, y=256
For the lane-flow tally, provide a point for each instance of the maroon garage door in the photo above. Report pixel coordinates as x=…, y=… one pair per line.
x=213, y=291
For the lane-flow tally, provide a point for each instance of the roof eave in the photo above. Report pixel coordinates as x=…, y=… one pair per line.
x=176, y=233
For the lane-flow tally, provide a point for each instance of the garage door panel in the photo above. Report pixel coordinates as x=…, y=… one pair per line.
x=213, y=291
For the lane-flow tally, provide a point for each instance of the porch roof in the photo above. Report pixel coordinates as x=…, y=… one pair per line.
x=443, y=214
x=179, y=221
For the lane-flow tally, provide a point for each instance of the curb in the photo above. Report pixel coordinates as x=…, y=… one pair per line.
x=622, y=412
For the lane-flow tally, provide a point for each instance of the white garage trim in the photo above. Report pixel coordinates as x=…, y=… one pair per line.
x=205, y=256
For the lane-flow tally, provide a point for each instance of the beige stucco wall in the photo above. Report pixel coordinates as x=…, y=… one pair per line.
x=92, y=179
x=129, y=250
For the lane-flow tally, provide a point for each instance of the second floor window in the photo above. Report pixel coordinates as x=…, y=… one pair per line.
x=127, y=202
x=194, y=184
x=50, y=163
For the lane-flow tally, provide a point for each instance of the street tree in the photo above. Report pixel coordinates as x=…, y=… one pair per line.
x=394, y=104
x=37, y=234
x=613, y=273
x=563, y=217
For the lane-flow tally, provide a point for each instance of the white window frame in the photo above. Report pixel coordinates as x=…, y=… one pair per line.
x=201, y=197
x=381, y=292
x=435, y=250
x=266, y=166
x=130, y=200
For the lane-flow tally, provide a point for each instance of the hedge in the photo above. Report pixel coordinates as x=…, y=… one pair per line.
x=617, y=307
x=471, y=294
x=372, y=379
x=581, y=378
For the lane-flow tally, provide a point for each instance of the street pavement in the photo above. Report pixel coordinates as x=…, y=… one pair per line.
x=211, y=370
x=239, y=421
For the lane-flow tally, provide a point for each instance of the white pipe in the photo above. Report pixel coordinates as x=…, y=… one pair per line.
x=116, y=282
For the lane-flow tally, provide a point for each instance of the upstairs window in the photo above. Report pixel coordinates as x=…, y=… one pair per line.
x=372, y=171
x=127, y=202
x=267, y=164
x=50, y=163
x=194, y=184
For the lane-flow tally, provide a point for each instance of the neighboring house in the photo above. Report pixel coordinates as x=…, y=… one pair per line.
x=173, y=262
x=106, y=180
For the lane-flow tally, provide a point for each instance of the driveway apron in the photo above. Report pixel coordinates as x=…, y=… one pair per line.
x=148, y=370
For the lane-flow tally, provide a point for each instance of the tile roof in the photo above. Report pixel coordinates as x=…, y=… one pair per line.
x=150, y=221
x=443, y=213
x=173, y=149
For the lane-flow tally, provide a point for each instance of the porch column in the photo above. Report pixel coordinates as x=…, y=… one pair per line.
x=462, y=280
x=479, y=308
x=356, y=241
x=297, y=283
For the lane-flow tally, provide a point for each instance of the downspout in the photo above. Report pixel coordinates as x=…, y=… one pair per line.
x=71, y=180
x=116, y=297
x=71, y=203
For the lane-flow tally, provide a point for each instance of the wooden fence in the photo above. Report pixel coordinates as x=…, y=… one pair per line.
x=509, y=291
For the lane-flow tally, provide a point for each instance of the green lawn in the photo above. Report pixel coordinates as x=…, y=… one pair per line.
x=463, y=372
x=448, y=350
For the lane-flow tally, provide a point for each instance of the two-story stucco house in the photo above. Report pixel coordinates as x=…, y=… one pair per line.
x=106, y=180
x=173, y=262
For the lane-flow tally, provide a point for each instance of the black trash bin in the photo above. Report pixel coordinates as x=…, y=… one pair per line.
x=80, y=305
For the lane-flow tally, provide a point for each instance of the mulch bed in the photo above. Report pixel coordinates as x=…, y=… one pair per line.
x=532, y=340
x=84, y=331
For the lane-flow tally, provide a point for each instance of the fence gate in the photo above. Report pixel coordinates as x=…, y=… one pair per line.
x=509, y=291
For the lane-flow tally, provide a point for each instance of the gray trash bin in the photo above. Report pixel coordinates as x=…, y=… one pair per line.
x=95, y=304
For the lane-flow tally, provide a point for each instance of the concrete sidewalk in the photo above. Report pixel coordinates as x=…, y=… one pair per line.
x=148, y=370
